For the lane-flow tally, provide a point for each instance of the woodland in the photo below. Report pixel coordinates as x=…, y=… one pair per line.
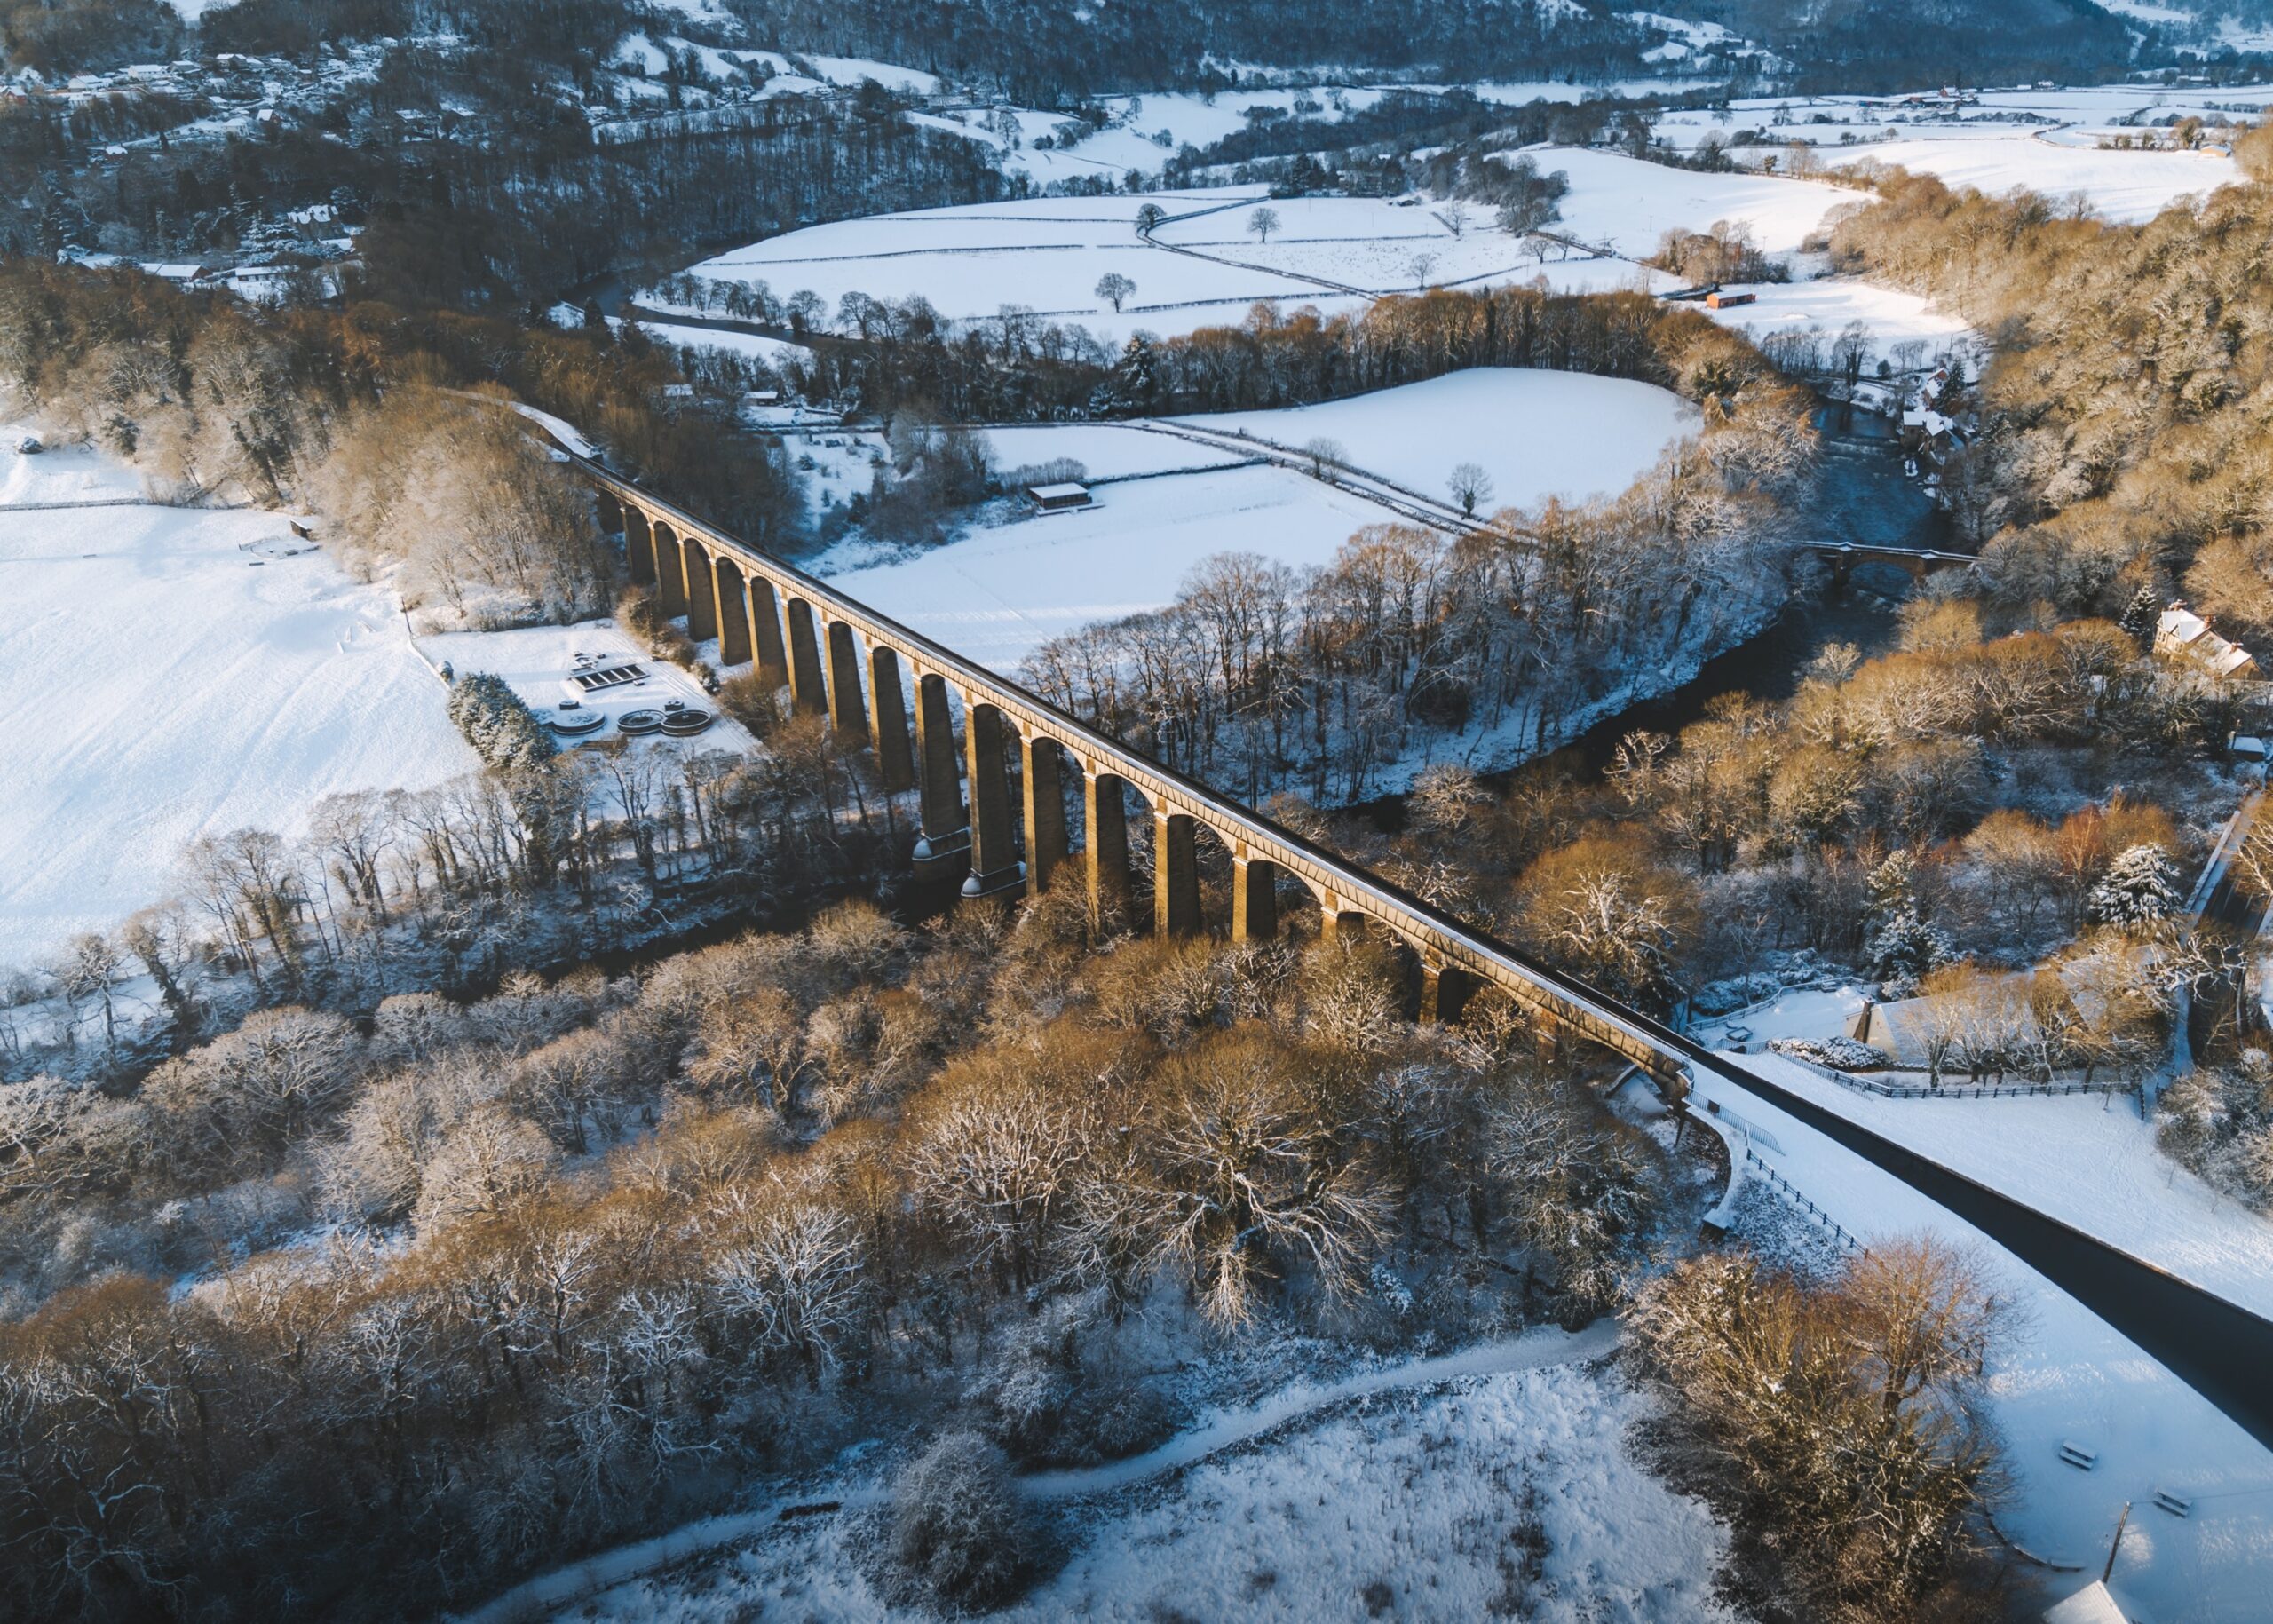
x=532, y=1163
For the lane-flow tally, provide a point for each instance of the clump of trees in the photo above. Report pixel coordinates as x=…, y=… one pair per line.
x=358, y=411
x=1724, y=252
x=608, y=1247
x=2218, y=1120
x=1272, y=679
x=1841, y=1427
x=2114, y=456
x=459, y=492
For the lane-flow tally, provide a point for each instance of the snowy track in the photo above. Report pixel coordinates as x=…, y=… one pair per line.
x=1534, y=1349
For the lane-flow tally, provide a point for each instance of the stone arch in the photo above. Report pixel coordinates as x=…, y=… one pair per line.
x=807, y=691
x=733, y=614
x=701, y=589
x=1104, y=835
x=1043, y=763
x=608, y=511
x=671, y=574
x=995, y=865
x=848, y=708
x=944, y=841
x=639, y=547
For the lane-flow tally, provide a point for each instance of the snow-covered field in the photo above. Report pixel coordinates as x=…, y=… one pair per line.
x=1106, y=451
x=772, y=352
x=2120, y=186
x=171, y=673
x=2051, y=141
x=1829, y=303
x=1408, y=1505
x=1630, y=203
x=997, y=592
x=1046, y=255
x=1536, y=433
x=1377, y=245
x=2090, y=1161
x=2069, y=1377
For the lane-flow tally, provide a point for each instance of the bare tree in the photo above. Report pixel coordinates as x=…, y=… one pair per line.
x=1116, y=288
x=1262, y=222
x=1471, y=486
x=1326, y=457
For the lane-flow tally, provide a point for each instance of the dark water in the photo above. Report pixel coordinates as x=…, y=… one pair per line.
x=1770, y=667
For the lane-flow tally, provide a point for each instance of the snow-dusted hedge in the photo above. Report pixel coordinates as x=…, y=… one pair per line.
x=1842, y=1054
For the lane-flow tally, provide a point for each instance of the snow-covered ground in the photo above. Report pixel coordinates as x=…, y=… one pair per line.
x=169, y=673
x=2119, y=186
x=1536, y=433
x=2050, y=141
x=1045, y=255
x=2090, y=1161
x=1827, y=305
x=1797, y=1013
x=2068, y=1377
x=1630, y=203
x=536, y=659
x=997, y=592
x=1378, y=245
x=1404, y=1504
x=1106, y=451
x=775, y=352
x=1147, y=131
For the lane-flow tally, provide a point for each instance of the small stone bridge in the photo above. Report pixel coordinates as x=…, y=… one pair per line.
x=843, y=661
x=1918, y=562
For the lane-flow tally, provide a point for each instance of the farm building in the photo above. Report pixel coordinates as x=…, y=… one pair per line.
x=1062, y=498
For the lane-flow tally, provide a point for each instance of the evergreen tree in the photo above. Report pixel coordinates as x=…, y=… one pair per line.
x=1906, y=948
x=2141, y=615
x=1891, y=888
x=503, y=730
x=2140, y=886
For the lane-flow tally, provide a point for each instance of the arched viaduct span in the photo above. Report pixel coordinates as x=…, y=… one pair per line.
x=840, y=659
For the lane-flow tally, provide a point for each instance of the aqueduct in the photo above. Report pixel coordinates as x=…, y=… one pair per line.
x=841, y=659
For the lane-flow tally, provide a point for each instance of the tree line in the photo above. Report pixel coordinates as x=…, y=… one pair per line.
x=1262, y=677
x=361, y=410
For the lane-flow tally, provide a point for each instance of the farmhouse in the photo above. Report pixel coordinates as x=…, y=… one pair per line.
x=1719, y=300
x=2182, y=634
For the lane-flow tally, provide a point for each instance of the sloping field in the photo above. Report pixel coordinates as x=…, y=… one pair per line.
x=1537, y=435
x=164, y=679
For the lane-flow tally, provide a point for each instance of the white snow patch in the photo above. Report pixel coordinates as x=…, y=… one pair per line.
x=169, y=673
x=1421, y=1496
x=535, y=659
x=996, y=594
x=2088, y=1161
x=1537, y=433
